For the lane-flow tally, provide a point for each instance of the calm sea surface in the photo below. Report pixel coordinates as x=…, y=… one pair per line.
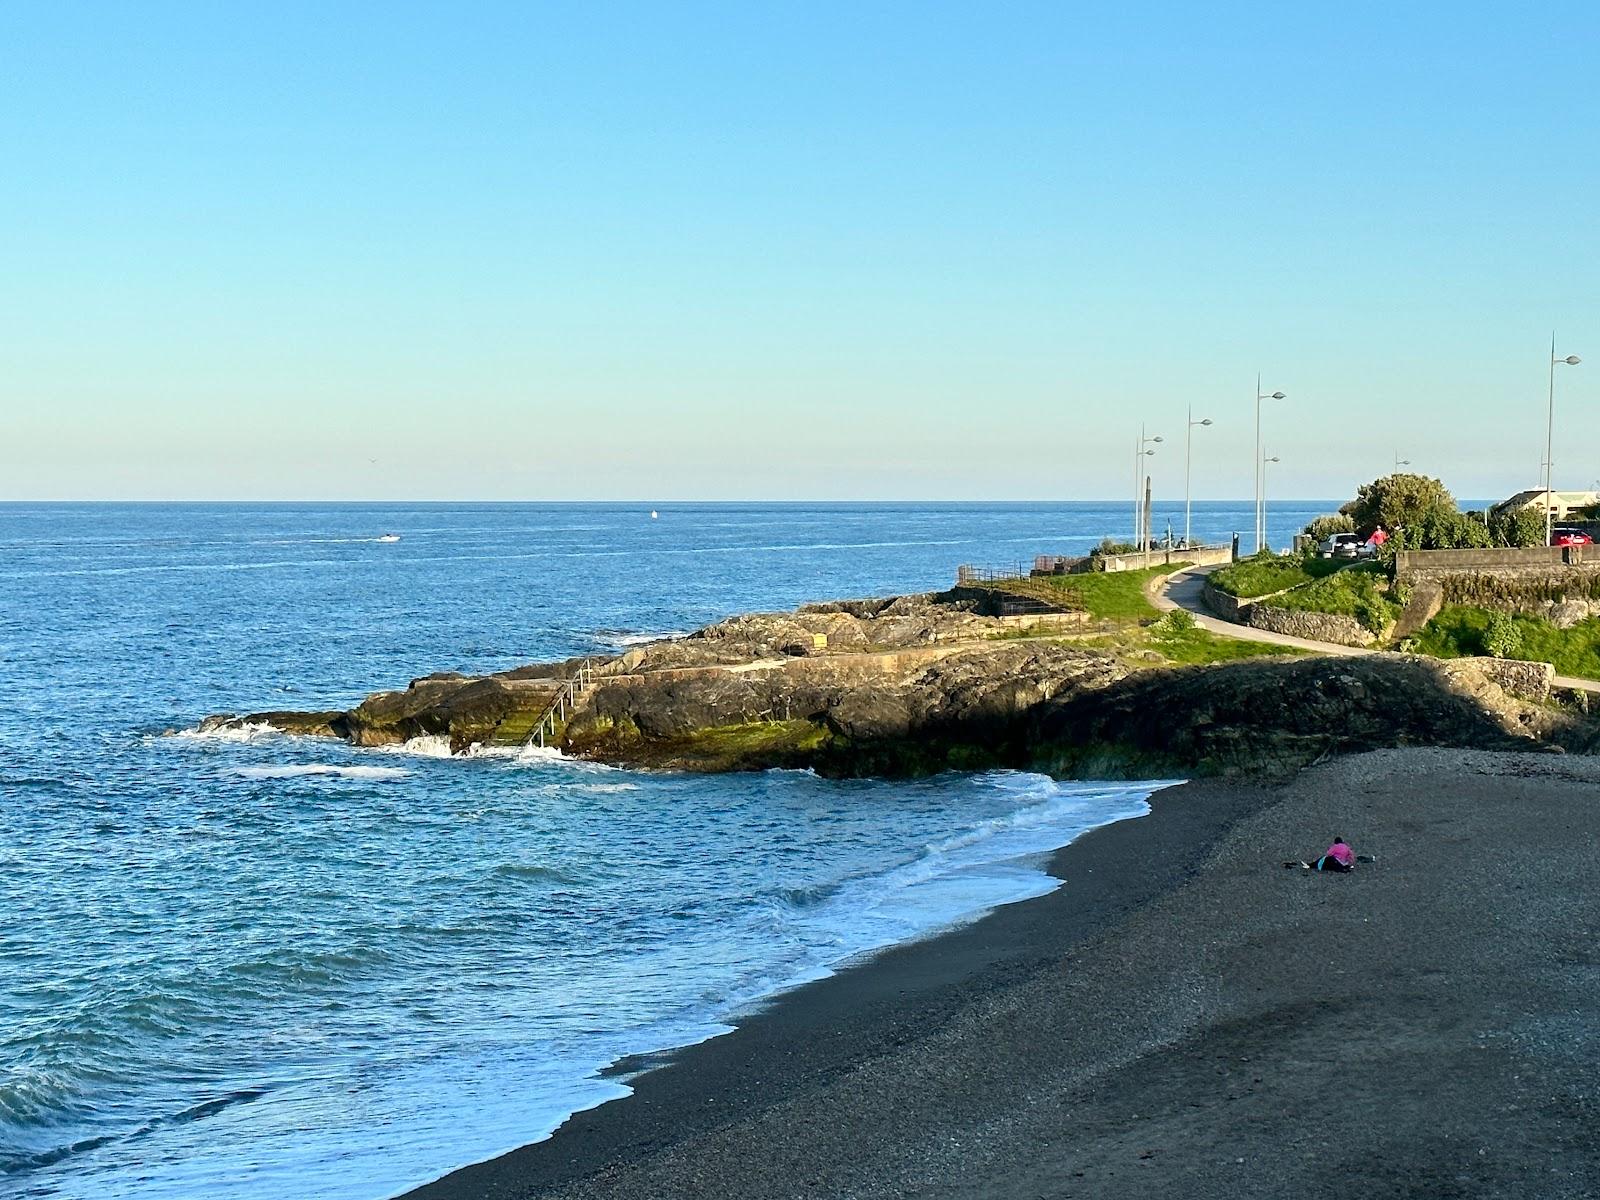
x=232, y=965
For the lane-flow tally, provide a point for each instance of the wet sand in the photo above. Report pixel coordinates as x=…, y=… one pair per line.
x=1183, y=1017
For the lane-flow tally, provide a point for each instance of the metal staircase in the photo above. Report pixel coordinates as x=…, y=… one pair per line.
x=548, y=725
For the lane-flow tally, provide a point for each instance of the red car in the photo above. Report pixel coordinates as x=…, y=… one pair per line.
x=1570, y=537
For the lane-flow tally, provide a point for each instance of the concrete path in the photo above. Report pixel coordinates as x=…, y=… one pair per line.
x=1183, y=589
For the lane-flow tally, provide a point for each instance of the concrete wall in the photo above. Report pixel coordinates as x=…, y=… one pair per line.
x=1427, y=598
x=1200, y=556
x=1431, y=564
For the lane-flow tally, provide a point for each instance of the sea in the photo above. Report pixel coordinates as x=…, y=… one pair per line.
x=234, y=963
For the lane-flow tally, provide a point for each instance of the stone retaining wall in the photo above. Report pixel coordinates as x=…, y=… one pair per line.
x=1516, y=677
x=1313, y=626
x=1229, y=608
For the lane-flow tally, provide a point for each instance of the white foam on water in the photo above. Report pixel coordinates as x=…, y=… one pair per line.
x=431, y=745
x=229, y=733
x=548, y=756
x=295, y=771
x=639, y=639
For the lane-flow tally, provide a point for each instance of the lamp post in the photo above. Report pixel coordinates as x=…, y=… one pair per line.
x=1261, y=515
x=1400, y=462
x=1264, y=461
x=1140, y=452
x=1188, y=455
x=1571, y=360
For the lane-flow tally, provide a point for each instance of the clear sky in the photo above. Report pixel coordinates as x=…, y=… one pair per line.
x=676, y=250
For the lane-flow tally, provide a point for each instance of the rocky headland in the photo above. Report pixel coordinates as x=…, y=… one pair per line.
x=918, y=684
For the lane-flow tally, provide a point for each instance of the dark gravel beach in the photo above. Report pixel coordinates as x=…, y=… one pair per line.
x=1183, y=1017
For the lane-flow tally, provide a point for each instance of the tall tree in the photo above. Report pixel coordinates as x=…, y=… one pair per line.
x=1400, y=502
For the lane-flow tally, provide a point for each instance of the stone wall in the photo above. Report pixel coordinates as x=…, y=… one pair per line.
x=1045, y=622
x=1516, y=677
x=1314, y=626
x=1229, y=608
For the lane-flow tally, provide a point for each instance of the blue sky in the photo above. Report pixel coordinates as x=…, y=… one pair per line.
x=670, y=251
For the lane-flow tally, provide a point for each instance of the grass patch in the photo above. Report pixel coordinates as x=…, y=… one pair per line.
x=1459, y=631
x=1106, y=595
x=1361, y=592
x=1265, y=572
x=1192, y=647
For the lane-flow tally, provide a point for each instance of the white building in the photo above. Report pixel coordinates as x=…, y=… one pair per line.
x=1561, y=504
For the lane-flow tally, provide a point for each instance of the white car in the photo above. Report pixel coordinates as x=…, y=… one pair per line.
x=1345, y=545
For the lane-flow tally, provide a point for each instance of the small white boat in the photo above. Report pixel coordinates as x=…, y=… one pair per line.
x=390, y=537
x=654, y=515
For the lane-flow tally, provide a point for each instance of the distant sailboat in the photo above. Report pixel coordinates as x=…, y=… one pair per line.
x=390, y=537
x=654, y=515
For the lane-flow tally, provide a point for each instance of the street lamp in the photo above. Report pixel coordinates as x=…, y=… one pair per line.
x=1264, y=461
x=1188, y=445
x=1400, y=462
x=1571, y=360
x=1261, y=515
x=1140, y=452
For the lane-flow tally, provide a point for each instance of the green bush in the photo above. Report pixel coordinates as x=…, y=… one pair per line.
x=1449, y=529
x=1501, y=638
x=1111, y=546
x=1398, y=501
x=1419, y=514
x=1175, y=623
x=1517, y=527
x=1324, y=527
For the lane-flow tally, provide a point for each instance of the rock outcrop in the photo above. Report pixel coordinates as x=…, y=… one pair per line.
x=915, y=685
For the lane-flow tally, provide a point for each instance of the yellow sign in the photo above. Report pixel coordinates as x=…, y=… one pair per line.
x=819, y=641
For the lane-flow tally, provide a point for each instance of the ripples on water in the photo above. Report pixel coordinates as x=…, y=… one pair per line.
x=230, y=964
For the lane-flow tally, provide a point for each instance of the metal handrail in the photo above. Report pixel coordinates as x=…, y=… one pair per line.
x=566, y=696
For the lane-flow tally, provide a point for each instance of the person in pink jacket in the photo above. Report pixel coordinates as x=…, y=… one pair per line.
x=1338, y=858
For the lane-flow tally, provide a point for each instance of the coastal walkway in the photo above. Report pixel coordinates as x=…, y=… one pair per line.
x=1185, y=590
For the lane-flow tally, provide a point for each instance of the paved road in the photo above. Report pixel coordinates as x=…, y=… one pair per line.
x=1182, y=589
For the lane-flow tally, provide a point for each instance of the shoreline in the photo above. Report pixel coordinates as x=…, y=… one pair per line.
x=1180, y=1013
x=830, y=1021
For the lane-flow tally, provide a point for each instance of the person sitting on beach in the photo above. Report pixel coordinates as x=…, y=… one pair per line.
x=1338, y=858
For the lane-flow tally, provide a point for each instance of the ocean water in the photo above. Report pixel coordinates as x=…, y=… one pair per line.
x=232, y=964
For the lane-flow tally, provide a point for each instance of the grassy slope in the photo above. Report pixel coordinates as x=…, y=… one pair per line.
x=1105, y=595
x=1117, y=598
x=1458, y=631
x=1361, y=592
x=1193, y=646
x=1261, y=574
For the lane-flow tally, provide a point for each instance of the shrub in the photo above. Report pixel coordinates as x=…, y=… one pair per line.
x=1322, y=528
x=1501, y=638
x=1175, y=623
x=1111, y=546
x=1448, y=529
x=1517, y=527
